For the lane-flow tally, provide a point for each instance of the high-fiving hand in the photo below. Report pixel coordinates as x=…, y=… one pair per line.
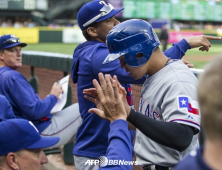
x=109, y=98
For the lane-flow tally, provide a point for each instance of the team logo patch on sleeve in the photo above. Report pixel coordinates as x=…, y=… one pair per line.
x=185, y=102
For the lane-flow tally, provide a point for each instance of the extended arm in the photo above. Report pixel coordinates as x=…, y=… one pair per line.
x=120, y=147
x=170, y=134
x=28, y=103
x=178, y=50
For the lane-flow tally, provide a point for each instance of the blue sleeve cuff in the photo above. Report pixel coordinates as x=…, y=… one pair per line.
x=183, y=44
x=53, y=97
x=119, y=123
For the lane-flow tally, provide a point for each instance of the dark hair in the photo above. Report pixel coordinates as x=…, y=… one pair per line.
x=85, y=33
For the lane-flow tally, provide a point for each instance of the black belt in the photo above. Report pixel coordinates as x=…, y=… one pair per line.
x=157, y=167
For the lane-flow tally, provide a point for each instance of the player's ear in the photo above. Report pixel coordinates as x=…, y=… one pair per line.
x=92, y=31
x=12, y=160
x=1, y=55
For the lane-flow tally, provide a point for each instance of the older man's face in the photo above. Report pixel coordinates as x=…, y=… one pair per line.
x=12, y=57
x=32, y=159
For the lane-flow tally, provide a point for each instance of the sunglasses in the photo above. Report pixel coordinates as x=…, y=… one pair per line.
x=10, y=41
x=106, y=9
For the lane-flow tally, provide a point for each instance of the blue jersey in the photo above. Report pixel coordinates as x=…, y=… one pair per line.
x=92, y=135
x=194, y=161
x=5, y=109
x=25, y=102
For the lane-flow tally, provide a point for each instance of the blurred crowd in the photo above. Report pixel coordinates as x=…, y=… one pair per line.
x=196, y=25
x=17, y=22
x=20, y=22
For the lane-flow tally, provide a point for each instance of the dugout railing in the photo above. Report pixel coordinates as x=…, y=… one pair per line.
x=63, y=63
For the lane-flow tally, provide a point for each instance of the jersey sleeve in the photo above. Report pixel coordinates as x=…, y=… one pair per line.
x=5, y=109
x=178, y=50
x=120, y=147
x=180, y=105
x=27, y=102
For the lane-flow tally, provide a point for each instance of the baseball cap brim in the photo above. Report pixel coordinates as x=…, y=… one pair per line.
x=112, y=57
x=13, y=45
x=44, y=142
x=112, y=13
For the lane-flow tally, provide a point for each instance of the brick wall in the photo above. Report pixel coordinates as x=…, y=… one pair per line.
x=47, y=77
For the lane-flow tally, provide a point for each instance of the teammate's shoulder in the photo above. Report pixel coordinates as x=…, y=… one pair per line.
x=89, y=47
x=91, y=44
x=8, y=72
x=12, y=75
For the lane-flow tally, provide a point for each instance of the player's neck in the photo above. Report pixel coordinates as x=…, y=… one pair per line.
x=212, y=154
x=98, y=39
x=157, y=61
x=2, y=64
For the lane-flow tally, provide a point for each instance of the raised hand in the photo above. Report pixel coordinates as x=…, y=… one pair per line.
x=108, y=99
x=201, y=41
x=122, y=92
x=56, y=89
x=187, y=63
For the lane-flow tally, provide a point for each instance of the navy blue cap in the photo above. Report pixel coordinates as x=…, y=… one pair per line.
x=4, y=44
x=92, y=9
x=18, y=134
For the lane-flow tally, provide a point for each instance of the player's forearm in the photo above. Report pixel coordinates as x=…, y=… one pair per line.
x=178, y=50
x=28, y=104
x=170, y=134
x=120, y=147
x=43, y=107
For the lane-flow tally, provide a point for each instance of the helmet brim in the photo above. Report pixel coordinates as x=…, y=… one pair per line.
x=112, y=57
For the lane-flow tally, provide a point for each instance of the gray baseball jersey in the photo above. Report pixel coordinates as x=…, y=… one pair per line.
x=170, y=96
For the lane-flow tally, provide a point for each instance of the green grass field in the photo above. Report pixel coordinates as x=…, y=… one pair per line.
x=69, y=48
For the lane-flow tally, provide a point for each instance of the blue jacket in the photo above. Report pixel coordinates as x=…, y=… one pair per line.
x=92, y=135
x=194, y=161
x=5, y=109
x=25, y=102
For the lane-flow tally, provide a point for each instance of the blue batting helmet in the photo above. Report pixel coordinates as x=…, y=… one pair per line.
x=130, y=38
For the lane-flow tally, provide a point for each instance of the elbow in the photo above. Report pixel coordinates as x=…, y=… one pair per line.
x=182, y=146
x=33, y=114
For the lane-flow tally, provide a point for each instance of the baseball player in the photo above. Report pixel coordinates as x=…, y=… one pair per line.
x=169, y=124
x=96, y=19
x=26, y=103
x=21, y=145
x=209, y=92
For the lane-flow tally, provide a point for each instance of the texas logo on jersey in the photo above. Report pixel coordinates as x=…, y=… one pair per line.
x=185, y=102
